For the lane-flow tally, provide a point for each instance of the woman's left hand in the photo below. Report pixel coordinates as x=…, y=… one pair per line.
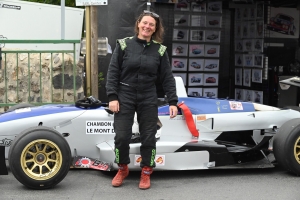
x=173, y=111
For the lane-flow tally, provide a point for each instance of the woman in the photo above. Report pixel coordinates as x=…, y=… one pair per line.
x=134, y=67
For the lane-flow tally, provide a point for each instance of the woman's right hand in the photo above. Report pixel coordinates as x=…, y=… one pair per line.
x=114, y=106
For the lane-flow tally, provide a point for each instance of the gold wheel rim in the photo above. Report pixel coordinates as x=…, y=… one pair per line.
x=297, y=150
x=41, y=159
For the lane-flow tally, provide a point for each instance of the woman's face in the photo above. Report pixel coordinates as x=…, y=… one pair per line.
x=147, y=27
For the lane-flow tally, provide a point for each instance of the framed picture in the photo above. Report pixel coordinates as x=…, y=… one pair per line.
x=238, y=94
x=196, y=64
x=238, y=15
x=196, y=50
x=258, y=45
x=214, y=21
x=210, y=92
x=182, y=75
x=238, y=45
x=212, y=36
x=248, y=95
x=257, y=96
x=211, y=65
x=238, y=30
x=251, y=26
x=248, y=60
x=198, y=7
x=238, y=76
x=258, y=60
x=195, y=79
x=195, y=92
x=198, y=20
x=260, y=10
x=212, y=50
x=259, y=29
x=181, y=20
x=245, y=13
x=180, y=34
x=257, y=75
x=197, y=36
x=182, y=6
x=247, y=76
x=245, y=32
x=179, y=64
x=247, y=45
x=238, y=59
x=252, y=14
x=210, y=79
x=179, y=49
x=214, y=7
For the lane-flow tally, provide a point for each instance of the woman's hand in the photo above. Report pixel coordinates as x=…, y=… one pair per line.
x=173, y=111
x=114, y=106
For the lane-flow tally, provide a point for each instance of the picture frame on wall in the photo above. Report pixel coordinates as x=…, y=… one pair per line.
x=179, y=64
x=238, y=15
x=195, y=92
x=196, y=64
x=182, y=75
x=245, y=31
x=196, y=50
x=247, y=45
x=260, y=10
x=245, y=14
x=259, y=29
x=183, y=5
x=258, y=45
x=195, y=79
x=179, y=49
x=238, y=30
x=248, y=60
x=248, y=95
x=211, y=65
x=258, y=60
x=214, y=7
x=198, y=7
x=210, y=79
x=247, y=77
x=197, y=35
x=257, y=96
x=210, y=92
x=257, y=75
x=238, y=94
x=213, y=36
x=238, y=46
x=214, y=21
x=212, y=50
x=198, y=20
x=181, y=20
x=252, y=31
x=252, y=13
x=238, y=60
x=238, y=76
x=180, y=34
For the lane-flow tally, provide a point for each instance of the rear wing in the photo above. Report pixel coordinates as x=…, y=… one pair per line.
x=180, y=88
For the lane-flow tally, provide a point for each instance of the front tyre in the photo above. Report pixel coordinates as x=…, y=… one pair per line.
x=39, y=157
x=286, y=146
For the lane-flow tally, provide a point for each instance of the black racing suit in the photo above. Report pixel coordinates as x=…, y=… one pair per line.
x=132, y=73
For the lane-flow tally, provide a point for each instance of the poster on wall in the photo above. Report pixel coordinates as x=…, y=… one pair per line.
x=213, y=36
x=180, y=34
x=179, y=49
x=214, y=7
x=247, y=77
x=181, y=20
x=179, y=64
x=196, y=64
x=238, y=94
x=197, y=36
x=182, y=6
x=195, y=79
x=238, y=76
x=211, y=65
x=284, y=23
x=198, y=20
x=195, y=92
x=210, y=92
x=198, y=6
x=257, y=96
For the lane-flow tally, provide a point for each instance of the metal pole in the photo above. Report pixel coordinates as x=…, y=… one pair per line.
x=62, y=4
x=88, y=49
x=0, y=57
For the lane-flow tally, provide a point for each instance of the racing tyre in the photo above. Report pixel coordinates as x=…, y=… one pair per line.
x=39, y=157
x=18, y=106
x=286, y=146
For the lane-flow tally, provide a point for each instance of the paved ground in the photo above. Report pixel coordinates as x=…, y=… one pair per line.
x=231, y=184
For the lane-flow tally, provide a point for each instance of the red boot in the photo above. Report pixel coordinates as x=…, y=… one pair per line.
x=145, y=178
x=121, y=175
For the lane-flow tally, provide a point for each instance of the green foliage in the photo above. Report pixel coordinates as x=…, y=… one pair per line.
x=100, y=79
x=70, y=3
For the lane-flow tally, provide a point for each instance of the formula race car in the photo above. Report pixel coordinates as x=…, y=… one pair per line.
x=41, y=143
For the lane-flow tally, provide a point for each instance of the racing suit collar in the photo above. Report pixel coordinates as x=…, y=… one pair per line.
x=144, y=42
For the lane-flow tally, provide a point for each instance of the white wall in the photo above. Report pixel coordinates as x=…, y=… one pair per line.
x=36, y=21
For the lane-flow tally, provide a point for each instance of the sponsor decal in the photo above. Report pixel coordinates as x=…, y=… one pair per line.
x=85, y=162
x=10, y=6
x=117, y=155
x=201, y=117
x=5, y=142
x=99, y=127
x=234, y=105
x=159, y=160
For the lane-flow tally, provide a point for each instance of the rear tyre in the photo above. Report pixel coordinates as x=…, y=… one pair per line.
x=39, y=157
x=286, y=146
